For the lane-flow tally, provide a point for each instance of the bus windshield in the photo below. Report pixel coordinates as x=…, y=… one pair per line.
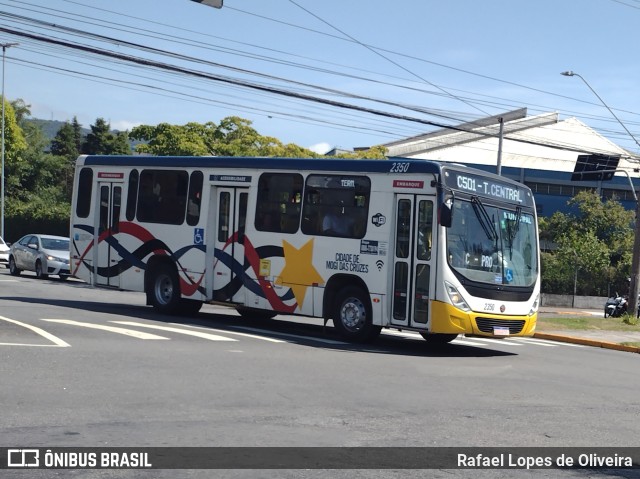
x=494, y=245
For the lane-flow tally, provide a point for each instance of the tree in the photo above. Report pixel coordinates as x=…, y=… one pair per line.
x=100, y=141
x=21, y=109
x=66, y=145
x=14, y=140
x=597, y=239
x=233, y=136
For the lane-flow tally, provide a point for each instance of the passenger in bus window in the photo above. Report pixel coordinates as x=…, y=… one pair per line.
x=336, y=222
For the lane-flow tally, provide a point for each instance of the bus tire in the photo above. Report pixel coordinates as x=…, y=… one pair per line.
x=438, y=338
x=164, y=291
x=352, y=315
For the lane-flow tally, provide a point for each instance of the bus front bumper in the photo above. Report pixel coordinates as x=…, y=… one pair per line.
x=448, y=319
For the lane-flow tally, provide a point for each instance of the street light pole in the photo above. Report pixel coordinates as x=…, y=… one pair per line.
x=4, y=50
x=634, y=286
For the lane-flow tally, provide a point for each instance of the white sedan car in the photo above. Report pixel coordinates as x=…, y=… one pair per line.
x=44, y=254
x=4, y=252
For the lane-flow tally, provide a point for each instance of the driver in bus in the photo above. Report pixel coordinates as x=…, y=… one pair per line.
x=336, y=222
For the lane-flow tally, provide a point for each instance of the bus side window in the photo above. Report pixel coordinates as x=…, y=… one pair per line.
x=132, y=194
x=83, y=200
x=279, y=202
x=336, y=205
x=162, y=196
x=194, y=198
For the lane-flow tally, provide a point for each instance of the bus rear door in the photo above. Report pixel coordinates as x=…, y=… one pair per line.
x=230, y=207
x=414, y=272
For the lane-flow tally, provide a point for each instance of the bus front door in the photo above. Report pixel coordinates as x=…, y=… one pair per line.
x=108, y=259
x=413, y=273
x=229, y=261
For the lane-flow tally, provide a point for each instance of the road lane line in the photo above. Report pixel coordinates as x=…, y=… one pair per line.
x=552, y=343
x=210, y=337
x=294, y=336
x=534, y=342
x=468, y=343
x=54, y=339
x=501, y=341
x=247, y=335
x=112, y=329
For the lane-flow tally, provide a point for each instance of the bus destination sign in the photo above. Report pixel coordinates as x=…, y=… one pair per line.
x=487, y=187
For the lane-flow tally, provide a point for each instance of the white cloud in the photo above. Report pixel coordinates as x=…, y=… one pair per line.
x=321, y=148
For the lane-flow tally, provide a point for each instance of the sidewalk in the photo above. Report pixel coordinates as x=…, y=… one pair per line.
x=608, y=339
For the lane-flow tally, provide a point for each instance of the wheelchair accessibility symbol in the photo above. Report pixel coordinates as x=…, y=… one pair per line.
x=508, y=274
x=198, y=236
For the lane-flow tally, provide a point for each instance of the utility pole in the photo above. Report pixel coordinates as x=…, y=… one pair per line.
x=4, y=50
x=500, y=136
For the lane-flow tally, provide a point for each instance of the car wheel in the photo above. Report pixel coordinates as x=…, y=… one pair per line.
x=40, y=274
x=352, y=316
x=13, y=269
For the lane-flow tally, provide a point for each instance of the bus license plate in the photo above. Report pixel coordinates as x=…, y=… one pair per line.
x=500, y=331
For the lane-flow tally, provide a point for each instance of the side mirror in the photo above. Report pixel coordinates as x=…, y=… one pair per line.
x=446, y=215
x=33, y=246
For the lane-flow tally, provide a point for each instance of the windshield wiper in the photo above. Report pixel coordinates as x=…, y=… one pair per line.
x=513, y=226
x=484, y=219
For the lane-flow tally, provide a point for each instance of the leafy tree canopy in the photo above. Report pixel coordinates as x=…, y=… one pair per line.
x=233, y=136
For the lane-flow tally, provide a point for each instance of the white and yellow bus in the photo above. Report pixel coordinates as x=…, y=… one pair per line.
x=439, y=249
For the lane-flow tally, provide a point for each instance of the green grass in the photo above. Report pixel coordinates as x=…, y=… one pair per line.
x=595, y=323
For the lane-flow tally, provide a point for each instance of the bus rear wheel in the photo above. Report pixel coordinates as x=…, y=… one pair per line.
x=438, y=338
x=352, y=316
x=164, y=293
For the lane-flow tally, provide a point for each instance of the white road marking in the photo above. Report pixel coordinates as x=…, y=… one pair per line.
x=552, y=343
x=294, y=336
x=210, y=337
x=54, y=339
x=112, y=329
x=232, y=332
x=505, y=341
x=534, y=342
x=468, y=343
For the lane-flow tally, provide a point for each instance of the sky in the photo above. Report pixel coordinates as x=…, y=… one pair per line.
x=325, y=73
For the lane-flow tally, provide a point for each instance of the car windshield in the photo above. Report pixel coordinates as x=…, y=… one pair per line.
x=55, y=244
x=2, y=241
x=492, y=245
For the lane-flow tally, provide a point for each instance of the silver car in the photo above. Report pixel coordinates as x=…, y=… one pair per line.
x=44, y=254
x=4, y=252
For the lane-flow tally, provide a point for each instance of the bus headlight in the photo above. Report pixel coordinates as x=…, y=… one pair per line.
x=456, y=298
x=534, y=306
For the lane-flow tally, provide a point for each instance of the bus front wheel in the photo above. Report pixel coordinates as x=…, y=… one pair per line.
x=165, y=289
x=352, y=316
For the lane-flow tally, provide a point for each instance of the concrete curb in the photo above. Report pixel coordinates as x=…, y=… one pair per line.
x=587, y=342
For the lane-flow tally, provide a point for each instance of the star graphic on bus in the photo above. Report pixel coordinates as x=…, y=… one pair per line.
x=299, y=272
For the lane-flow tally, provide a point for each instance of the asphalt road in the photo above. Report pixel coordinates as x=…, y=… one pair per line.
x=87, y=367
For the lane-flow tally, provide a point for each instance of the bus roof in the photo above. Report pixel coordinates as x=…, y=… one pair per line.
x=262, y=163
x=273, y=163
